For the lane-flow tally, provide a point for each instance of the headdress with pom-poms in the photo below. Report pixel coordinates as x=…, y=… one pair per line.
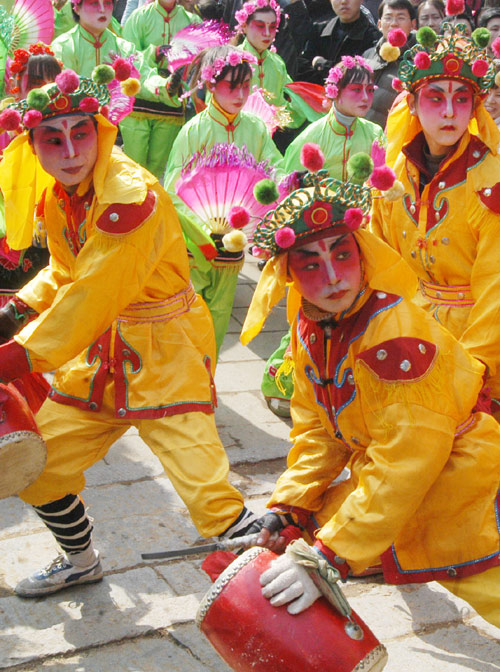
x=453, y=55
x=70, y=93
x=338, y=71
x=322, y=203
x=253, y=6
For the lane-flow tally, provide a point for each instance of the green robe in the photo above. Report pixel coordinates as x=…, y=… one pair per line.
x=151, y=24
x=215, y=281
x=337, y=143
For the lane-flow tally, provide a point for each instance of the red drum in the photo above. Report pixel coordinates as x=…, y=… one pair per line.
x=22, y=450
x=253, y=636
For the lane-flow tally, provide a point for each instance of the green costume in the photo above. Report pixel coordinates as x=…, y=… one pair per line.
x=81, y=51
x=150, y=130
x=270, y=74
x=338, y=141
x=215, y=281
x=339, y=138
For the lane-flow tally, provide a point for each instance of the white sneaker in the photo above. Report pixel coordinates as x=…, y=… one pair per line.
x=59, y=574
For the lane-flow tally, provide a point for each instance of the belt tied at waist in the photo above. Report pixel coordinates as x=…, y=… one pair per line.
x=447, y=295
x=159, y=311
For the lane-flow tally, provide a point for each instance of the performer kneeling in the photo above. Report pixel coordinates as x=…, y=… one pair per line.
x=383, y=389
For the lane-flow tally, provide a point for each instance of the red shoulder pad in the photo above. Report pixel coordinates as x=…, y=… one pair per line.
x=403, y=359
x=490, y=196
x=121, y=218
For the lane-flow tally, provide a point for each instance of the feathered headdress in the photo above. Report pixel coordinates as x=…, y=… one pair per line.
x=191, y=40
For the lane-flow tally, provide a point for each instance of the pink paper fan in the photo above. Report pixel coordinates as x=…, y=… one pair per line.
x=214, y=181
x=34, y=22
x=191, y=40
x=121, y=105
x=258, y=105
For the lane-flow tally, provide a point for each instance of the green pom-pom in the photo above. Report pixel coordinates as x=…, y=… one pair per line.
x=481, y=37
x=266, y=192
x=38, y=99
x=426, y=36
x=103, y=74
x=359, y=167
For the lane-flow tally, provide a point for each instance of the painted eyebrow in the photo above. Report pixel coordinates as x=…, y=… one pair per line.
x=55, y=129
x=438, y=87
x=311, y=253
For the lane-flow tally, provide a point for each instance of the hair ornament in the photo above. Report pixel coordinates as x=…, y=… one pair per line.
x=253, y=6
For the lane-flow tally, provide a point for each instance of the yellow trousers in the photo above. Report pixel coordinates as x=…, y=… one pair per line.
x=187, y=445
x=481, y=591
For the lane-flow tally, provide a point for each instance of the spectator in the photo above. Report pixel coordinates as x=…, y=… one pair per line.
x=392, y=14
x=492, y=102
x=465, y=19
x=431, y=13
x=490, y=19
x=347, y=34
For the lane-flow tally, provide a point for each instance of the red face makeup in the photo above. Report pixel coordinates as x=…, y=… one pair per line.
x=261, y=30
x=66, y=147
x=444, y=108
x=95, y=15
x=355, y=100
x=231, y=100
x=327, y=272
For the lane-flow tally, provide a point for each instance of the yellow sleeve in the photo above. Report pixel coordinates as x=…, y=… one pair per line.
x=39, y=293
x=482, y=334
x=412, y=429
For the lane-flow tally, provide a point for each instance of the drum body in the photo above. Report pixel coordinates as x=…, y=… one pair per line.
x=253, y=636
x=23, y=453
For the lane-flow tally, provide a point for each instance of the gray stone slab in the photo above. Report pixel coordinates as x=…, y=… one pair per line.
x=122, y=605
x=242, y=377
x=267, y=441
x=275, y=322
x=233, y=351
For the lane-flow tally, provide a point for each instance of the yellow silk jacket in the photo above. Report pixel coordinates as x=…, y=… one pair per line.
x=389, y=393
x=116, y=300
x=449, y=233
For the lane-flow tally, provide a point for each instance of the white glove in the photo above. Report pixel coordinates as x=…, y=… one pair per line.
x=285, y=582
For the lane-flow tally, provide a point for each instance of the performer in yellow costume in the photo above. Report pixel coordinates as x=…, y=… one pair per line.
x=443, y=146
x=115, y=315
x=381, y=388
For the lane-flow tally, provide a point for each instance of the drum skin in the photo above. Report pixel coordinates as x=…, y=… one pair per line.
x=253, y=636
x=23, y=453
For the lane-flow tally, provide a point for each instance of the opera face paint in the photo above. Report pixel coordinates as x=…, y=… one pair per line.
x=95, y=15
x=66, y=147
x=444, y=108
x=355, y=100
x=327, y=272
x=261, y=30
x=230, y=99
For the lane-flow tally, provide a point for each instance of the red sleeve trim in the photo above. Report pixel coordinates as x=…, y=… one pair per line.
x=14, y=361
x=403, y=359
x=121, y=218
x=335, y=560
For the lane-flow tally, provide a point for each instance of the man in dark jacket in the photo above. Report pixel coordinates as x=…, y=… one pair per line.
x=392, y=14
x=347, y=34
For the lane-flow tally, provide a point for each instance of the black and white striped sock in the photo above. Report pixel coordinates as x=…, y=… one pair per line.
x=241, y=525
x=67, y=519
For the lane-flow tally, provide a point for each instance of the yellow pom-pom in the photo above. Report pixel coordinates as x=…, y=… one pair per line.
x=389, y=53
x=395, y=192
x=234, y=241
x=497, y=79
x=130, y=86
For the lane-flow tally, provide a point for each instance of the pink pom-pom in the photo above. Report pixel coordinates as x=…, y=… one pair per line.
x=89, y=105
x=67, y=81
x=495, y=47
x=105, y=111
x=382, y=178
x=397, y=37
x=122, y=69
x=397, y=84
x=238, y=217
x=32, y=118
x=285, y=237
x=353, y=218
x=10, y=120
x=454, y=7
x=480, y=68
x=311, y=157
x=422, y=60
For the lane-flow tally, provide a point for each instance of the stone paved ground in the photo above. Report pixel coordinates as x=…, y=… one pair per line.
x=141, y=617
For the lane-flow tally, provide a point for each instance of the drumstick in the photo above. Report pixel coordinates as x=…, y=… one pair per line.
x=221, y=545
